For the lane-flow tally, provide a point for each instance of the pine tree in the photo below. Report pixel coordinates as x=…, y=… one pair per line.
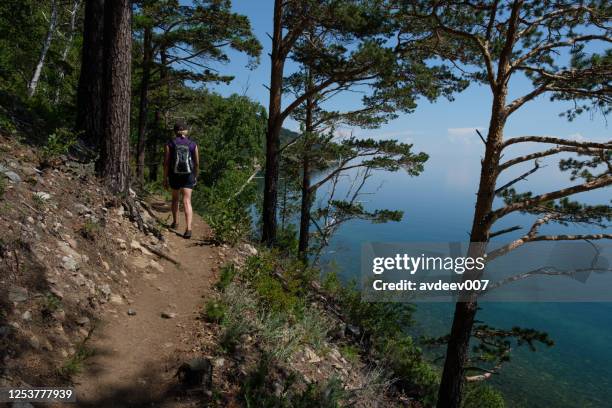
x=496, y=41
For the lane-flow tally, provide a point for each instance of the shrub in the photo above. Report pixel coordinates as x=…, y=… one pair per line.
x=482, y=396
x=231, y=337
x=2, y=185
x=258, y=390
x=350, y=353
x=90, y=229
x=74, y=364
x=227, y=274
x=214, y=311
x=58, y=144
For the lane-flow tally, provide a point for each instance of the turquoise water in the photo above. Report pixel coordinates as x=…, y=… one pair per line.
x=575, y=372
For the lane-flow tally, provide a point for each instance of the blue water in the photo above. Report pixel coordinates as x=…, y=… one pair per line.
x=438, y=206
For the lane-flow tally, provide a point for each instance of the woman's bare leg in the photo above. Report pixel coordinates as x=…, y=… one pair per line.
x=175, y=206
x=187, y=206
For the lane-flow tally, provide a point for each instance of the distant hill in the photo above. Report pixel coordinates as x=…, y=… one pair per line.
x=287, y=136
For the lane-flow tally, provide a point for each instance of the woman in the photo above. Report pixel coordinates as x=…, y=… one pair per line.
x=181, y=166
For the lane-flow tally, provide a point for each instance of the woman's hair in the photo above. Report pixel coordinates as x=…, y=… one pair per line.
x=180, y=127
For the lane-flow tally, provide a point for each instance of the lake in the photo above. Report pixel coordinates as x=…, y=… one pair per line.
x=438, y=206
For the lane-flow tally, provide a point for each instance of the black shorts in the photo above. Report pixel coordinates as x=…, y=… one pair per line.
x=178, y=181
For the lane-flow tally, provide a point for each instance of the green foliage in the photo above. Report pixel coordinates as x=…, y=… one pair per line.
x=226, y=276
x=231, y=337
x=214, y=311
x=51, y=303
x=6, y=123
x=228, y=216
x=482, y=396
x=257, y=390
x=90, y=229
x=58, y=144
x=38, y=201
x=2, y=186
x=230, y=133
x=74, y=365
x=350, y=353
x=386, y=325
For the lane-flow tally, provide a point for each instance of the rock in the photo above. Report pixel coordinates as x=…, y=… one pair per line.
x=82, y=321
x=17, y=294
x=27, y=316
x=219, y=362
x=71, y=242
x=250, y=249
x=106, y=266
x=311, y=356
x=11, y=175
x=131, y=312
x=135, y=245
x=82, y=209
x=69, y=263
x=106, y=290
x=116, y=299
x=352, y=330
x=168, y=315
x=156, y=265
x=42, y=195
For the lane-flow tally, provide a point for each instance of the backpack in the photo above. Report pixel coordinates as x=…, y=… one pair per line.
x=182, y=159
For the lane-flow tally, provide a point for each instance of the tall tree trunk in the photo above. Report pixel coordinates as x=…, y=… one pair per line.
x=152, y=147
x=144, y=101
x=73, y=16
x=307, y=192
x=305, y=210
x=113, y=164
x=45, y=49
x=89, y=93
x=275, y=121
x=453, y=376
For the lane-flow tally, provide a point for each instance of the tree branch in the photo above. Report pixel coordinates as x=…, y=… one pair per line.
x=556, y=140
x=544, y=153
x=519, y=178
x=601, y=181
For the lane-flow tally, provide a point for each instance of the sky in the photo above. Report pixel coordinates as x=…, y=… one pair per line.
x=443, y=129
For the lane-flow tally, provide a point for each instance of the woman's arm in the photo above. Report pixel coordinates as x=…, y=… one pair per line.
x=197, y=162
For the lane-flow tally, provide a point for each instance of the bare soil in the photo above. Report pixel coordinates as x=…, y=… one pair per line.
x=135, y=358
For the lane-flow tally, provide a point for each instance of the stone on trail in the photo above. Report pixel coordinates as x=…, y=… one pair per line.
x=131, y=312
x=168, y=315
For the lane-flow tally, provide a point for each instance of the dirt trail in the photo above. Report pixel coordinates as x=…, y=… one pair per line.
x=135, y=357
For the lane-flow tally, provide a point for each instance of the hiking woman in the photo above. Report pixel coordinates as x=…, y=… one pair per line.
x=181, y=166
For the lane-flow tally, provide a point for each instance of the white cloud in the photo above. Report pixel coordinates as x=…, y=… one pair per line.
x=577, y=137
x=464, y=134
